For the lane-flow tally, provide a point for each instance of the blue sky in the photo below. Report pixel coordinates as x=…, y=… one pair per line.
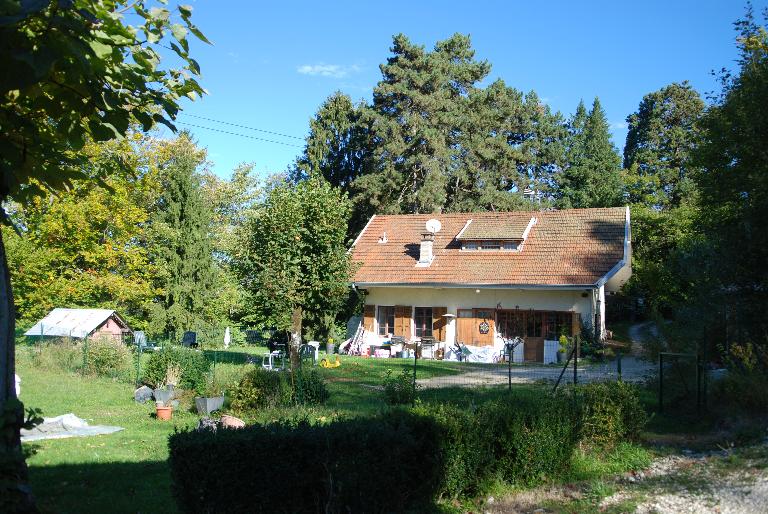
x=273, y=63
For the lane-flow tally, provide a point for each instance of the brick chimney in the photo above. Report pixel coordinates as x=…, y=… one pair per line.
x=425, y=252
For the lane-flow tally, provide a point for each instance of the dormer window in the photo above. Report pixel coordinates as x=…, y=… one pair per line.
x=509, y=246
x=502, y=234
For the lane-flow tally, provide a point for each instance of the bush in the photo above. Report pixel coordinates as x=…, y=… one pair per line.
x=742, y=392
x=64, y=355
x=192, y=364
x=610, y=412
x=106, y=357
x=260, y=388
x=531, y=438
x=397, y=461
x=310, y=388
x=384, y=464
x=399, y=390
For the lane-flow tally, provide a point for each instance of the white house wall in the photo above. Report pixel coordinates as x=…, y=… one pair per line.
x=460, y=298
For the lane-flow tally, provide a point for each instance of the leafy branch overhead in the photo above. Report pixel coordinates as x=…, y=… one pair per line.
x=81, y=72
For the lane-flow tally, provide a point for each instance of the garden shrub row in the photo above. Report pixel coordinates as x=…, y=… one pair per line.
x=259, y=389
x=192, y=366
x=399, y=460
x=611, y=412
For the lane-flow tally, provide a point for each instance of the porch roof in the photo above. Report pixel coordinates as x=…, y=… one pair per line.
x=572, y=247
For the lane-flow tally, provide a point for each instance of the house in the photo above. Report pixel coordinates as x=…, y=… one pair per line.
x=80, y=324
x=477, y=278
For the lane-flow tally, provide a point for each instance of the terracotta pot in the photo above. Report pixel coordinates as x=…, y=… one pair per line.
x=164, y=413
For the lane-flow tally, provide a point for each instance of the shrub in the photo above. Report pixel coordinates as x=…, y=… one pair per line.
x=384, y=464
x=106, y=357
x=742, y=392
x=399, y=390
x=260, y=388
x=310, y=388
x=64, y=355
x=531, y=438
x=191, y=363
x=397, y=461
x=610, y=412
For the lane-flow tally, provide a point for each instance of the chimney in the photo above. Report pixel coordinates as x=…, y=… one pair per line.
x=425, y=253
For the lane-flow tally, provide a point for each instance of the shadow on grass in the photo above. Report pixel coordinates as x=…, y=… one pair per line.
x=106, y=487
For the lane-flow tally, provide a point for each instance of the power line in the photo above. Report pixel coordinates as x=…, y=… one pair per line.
x=236, y=134
x=242, y=126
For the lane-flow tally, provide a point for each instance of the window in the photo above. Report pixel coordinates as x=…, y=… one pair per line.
x=511, y=245
x=558, y=323
x=534, y=321
x=386, y=320
x=491, y=245
x=422, y=319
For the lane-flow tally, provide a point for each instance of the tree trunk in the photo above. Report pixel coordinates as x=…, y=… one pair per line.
x=13, y=468
x=296, y=317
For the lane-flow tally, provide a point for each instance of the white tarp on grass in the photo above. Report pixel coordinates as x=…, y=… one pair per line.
x=66, y=425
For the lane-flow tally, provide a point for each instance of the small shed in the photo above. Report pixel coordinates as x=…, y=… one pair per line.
x=79, y=324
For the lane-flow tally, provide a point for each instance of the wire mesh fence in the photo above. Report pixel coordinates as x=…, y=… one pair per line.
x=681, y=384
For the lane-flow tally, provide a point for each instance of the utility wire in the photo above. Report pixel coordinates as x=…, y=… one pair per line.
x=241, y=126
x=236, y=134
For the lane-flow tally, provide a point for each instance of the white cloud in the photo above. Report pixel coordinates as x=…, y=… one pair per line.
x=336, y=71
x=619, y=125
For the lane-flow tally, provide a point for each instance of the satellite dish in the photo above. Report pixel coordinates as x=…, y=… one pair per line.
x=433, y=226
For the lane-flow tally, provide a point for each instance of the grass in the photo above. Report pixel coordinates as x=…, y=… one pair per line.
x=128, y=472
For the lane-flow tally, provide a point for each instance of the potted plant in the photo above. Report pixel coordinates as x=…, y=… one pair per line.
x=164, y=412
x=212, y=401
x=563, y=350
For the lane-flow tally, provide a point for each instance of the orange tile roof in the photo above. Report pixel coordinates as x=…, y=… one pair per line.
x=564, y=247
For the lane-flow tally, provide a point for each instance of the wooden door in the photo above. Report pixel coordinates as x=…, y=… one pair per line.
x=438, y=323
x=465, y=324
x=484, y=326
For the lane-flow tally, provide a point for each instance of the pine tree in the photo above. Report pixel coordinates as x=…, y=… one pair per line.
x=662, y=134
x=417, y=108
x=592, y=176
x=182, y=243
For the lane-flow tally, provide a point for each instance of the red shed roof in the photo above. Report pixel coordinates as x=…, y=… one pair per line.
x=571, y=247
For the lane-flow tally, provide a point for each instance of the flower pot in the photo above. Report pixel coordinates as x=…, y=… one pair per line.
x=164, y=413
x=207, y=405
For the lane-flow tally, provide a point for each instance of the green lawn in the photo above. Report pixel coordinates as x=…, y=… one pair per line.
x=128, y=472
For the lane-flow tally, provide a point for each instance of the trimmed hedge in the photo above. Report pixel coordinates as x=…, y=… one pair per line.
x=611, y=413
x=192, y=364
x=398, y=460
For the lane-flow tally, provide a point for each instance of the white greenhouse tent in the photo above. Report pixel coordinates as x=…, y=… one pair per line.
x=79, y=324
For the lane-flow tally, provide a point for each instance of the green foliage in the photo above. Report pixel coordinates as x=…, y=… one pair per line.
x=662, y=135
x=107, y=357
x=259, y=389
x=591, y=176
x=192, y=364
x=742, y=390
x=400, y=389
x=453, y=452
x=293, y=254
x=60, y=356
x=309, y=387
x=610, y=413
x=86, y=247
x=182, y=245
x=329, y=467
x=74, y=64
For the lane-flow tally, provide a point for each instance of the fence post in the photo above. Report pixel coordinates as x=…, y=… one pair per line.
x=618, y=364
x=661, y=382
x=509, y=365
x=85, y=354
x=698, y=384
x=138, y=364
x=577, y=344
x=415, y=358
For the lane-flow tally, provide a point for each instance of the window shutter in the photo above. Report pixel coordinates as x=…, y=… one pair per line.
x=403, y=321
x=439, y=322
x=368, y=314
